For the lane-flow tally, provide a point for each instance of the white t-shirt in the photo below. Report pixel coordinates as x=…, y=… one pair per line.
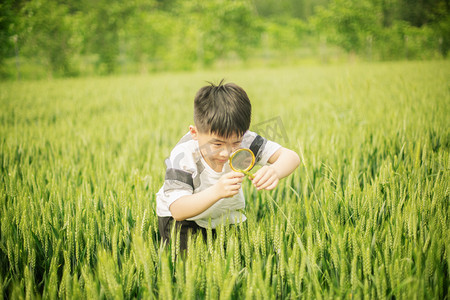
x=188, y=173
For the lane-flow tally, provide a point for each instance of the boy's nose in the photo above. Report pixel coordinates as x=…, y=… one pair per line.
x=226, y=151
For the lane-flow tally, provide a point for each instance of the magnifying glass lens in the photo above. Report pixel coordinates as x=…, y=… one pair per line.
x=242, y=160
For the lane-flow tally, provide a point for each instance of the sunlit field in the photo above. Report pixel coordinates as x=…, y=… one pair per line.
x=366, y=215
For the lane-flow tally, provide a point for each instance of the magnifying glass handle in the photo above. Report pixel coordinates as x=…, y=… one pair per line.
x=250, y=175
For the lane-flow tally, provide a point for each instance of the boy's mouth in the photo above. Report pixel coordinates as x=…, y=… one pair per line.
x=222, y=160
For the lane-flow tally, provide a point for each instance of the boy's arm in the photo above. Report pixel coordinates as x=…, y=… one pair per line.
x=283, y=162
x=189, y=206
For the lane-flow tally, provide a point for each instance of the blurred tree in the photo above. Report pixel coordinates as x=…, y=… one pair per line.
x=167, y=5
x=434, y=13
x=219, y=28
x=147, y=33
x=389, y=10
x=285, y=35
x=301, y=9
x=419, y=13
x=47, y=31
x=175, y=34
x=104, y=18
x=348, y=23
x=391, y=28
x=442, y=30
x=8, y=20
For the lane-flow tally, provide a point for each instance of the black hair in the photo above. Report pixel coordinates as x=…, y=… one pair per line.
x=222, y=109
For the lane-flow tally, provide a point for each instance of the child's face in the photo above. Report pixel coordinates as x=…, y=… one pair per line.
x=215, y=149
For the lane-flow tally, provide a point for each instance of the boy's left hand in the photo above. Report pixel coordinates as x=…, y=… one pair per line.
x=265, y=178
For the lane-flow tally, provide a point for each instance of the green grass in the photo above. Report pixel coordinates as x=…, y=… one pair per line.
x=366, y=215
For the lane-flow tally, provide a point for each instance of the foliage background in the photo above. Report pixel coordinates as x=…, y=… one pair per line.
x=47, y=38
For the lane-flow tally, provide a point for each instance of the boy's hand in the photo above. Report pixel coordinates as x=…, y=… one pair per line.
x=229, y=184
x=266, y=178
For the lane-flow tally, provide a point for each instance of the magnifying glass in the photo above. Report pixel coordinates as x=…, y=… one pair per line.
x=242, y=160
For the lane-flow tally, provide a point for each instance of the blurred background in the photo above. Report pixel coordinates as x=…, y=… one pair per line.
x=61, y=38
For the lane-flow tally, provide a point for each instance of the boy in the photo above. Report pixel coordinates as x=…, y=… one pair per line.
x=199, y=184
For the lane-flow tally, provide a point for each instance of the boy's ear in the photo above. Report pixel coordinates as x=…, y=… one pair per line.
x=194, y=132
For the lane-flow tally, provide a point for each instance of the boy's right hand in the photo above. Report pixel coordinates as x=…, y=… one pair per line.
x=229, y=184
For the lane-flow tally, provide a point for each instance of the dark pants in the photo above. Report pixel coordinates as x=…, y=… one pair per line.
x=165, y=225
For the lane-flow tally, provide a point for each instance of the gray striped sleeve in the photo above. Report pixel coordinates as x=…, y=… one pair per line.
x=178, y=180
x=257, y=147
x=260, y=146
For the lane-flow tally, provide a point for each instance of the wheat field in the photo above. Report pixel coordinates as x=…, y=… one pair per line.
x=365, y=216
